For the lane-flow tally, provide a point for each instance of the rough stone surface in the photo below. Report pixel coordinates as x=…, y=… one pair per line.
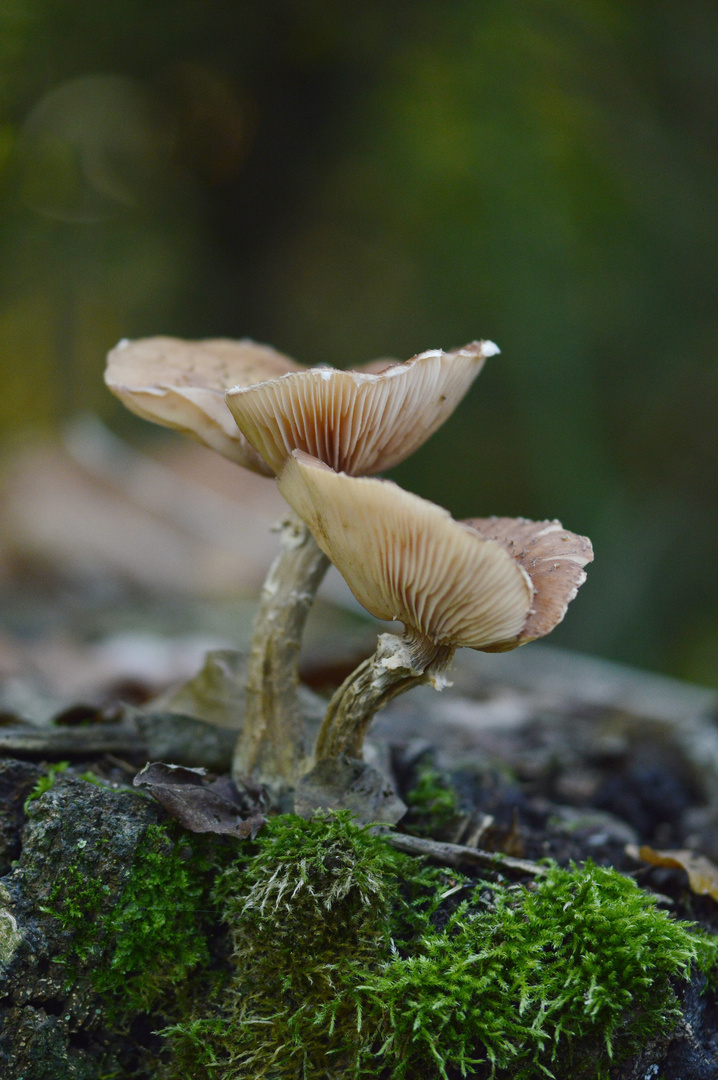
x=51, y=1021
x=693, y=1052
x=17, y=779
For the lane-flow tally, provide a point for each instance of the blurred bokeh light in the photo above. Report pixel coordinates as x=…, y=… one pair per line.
x=349, y=180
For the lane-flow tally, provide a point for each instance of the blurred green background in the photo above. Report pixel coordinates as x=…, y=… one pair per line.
x=349, y=180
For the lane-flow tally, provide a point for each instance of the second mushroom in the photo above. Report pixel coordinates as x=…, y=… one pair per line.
x=487, y=583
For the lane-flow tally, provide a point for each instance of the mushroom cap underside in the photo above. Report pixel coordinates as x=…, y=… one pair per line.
x=406, y=559
x=357, y=422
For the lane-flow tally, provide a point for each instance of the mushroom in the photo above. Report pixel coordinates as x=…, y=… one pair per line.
x=488, y=584
x=181, y=385
x=361, y=421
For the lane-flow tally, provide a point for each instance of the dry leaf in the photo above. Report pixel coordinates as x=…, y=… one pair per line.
x=202, y=804
x=702, y=873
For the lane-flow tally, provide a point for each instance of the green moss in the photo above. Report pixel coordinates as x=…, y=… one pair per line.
x=433, y=804
x=345, y=958
x=45, y=782
x=352, y=960
x=520, y=979
x=92, y=778
x=142, y=944
x=311, y=910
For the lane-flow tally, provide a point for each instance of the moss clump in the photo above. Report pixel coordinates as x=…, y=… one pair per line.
x=344, y=958
x=350, y=960
x=519, y=979
x=142, y=946
x=314, y=908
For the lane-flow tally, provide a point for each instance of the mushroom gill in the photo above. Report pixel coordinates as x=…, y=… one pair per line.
x=406, y=559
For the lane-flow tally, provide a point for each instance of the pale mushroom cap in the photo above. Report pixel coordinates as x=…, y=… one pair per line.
x=357, y=422
x=553, y=558
x=405, y=558
x=181, y=385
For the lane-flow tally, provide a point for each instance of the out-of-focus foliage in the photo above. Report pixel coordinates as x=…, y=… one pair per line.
x=346, y=180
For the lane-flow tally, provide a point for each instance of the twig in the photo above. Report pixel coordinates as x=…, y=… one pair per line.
x=50, y=743
x=459, y=855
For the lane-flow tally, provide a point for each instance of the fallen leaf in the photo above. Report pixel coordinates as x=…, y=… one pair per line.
x=201, y=804
x=702, y=873
x=215, y=694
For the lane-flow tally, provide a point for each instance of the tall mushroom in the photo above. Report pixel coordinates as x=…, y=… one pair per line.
x=361, y=421
x=489, y=584
x=181, y=385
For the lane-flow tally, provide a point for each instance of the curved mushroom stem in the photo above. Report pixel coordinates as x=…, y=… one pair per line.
x=271, y=747
x=398, y=664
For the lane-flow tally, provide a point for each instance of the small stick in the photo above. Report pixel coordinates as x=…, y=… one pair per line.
x=479, y=828
x=457, y=855
x=51, y=743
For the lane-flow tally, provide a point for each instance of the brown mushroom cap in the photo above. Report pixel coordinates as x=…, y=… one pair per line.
x=406, y=559
x=360, y=421
x=553, y=558
x=181, y=385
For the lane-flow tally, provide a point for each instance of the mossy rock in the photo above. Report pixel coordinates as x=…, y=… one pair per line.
x=104, y=898
x=131, y=949
x=17, y=779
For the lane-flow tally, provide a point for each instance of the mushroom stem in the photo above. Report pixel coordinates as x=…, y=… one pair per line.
x=398, y=664
x=271, y=747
